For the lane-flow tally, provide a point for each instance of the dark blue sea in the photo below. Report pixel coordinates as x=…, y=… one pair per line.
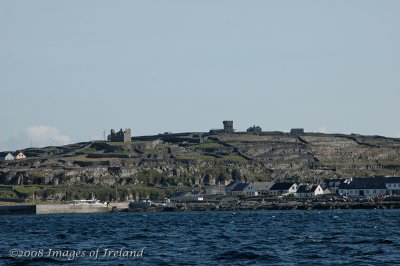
x=340, y=237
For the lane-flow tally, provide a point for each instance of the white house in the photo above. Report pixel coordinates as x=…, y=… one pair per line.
x=20, y=156
x=258, y=188
x=392, y=184
x=283, y=188
x=309, y=191
x=365, y=187
x=6, y=157
x=317, y=190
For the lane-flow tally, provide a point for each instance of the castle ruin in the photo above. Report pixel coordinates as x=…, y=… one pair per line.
x=254, y=129
x=297, y=131
x=228, y=126
x=120, y=136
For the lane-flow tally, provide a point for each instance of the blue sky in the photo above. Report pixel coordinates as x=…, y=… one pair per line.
x=71, y=69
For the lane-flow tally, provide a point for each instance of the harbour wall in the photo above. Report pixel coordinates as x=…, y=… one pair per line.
x=66, y=208
x=17, y=209
x=50, y=209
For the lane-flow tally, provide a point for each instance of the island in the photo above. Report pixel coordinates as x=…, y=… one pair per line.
x=220, y=169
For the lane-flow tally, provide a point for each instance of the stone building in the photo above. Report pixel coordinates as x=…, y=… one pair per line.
x=254, y=129
x=120, y=136
x=297, y=131
x=228, y=126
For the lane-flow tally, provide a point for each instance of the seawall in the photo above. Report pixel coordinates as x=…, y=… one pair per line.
x=66, y=208
x=17, y=209
x=50, y=209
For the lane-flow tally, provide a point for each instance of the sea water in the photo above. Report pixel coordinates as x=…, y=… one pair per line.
x=337, y=237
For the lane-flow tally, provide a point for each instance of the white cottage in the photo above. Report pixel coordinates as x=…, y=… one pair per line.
x=20, y=156
x=392, y=184
x=365, y=187
x=258, y=188
x=308, y=191
x=283, y=188
x=6, y=157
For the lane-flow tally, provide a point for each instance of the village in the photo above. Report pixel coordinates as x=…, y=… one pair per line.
x=370, y=187
x=352, y=193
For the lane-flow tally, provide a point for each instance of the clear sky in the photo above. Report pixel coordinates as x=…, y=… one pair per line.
x=71, y=69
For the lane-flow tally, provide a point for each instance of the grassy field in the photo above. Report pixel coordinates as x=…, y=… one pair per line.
x=196, y=157
x=207, y=145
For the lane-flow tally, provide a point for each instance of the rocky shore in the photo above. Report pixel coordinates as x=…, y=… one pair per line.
x=268, y=206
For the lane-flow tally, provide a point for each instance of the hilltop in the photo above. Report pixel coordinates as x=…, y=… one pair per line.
x=193, y=159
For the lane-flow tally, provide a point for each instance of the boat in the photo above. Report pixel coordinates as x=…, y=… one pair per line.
x=92, y=202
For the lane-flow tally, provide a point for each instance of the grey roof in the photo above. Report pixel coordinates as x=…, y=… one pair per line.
x=262, y=185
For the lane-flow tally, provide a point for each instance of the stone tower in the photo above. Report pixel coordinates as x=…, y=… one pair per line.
x=228, y=126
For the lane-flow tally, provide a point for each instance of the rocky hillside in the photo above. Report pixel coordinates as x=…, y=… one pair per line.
x=190, y=159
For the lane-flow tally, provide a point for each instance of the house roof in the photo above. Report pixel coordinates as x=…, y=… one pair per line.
x=240, y=186
x=302, y=189
x=392, y=179
x=262, y=185
x=282, y=186
x=232, y=184
x=366, y=183
x=333, y=180
x=306, y=188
